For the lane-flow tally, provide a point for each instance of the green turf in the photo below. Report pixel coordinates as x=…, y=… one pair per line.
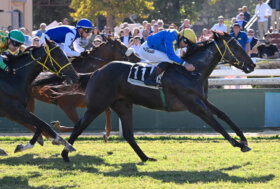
x=183, y=162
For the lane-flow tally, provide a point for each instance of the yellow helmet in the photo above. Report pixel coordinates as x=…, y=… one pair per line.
x=189, y=34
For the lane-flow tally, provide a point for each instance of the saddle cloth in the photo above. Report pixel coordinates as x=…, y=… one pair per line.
x=139, y=72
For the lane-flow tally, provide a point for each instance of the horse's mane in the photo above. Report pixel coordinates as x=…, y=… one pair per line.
x=14, y=59
x=197, y=47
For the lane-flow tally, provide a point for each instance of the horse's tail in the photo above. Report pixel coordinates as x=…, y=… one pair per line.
x=50, y=79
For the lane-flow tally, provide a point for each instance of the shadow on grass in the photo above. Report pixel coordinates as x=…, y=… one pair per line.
x=22, y=182
x=88, y=164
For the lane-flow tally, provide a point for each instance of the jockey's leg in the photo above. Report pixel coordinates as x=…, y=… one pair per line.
x=161, y=67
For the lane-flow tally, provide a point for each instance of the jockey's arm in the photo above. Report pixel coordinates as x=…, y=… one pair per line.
x=170, y=51
x=77, y=47
x=69, y=38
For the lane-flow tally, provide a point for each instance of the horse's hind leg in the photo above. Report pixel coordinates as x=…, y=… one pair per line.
x=124, y=111
x=2, y=152
x=108, y=126
x=31, y=143
x=223, y=116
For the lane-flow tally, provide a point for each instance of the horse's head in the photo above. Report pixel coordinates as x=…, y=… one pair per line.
x=120, y=52
x=232, y=52
x=57, y=62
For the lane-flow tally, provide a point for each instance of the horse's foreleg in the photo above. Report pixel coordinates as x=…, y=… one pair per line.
x=108, y=126
x=80, y=126
x=199, y=108
x=2, y=152
x=124, y=111
x=22, y=115
x=225, y=118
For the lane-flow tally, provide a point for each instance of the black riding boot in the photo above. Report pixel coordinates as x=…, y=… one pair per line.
x=151, y=80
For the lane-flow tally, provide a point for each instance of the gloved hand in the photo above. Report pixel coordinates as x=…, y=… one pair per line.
x=84, y=54
x=188, y=66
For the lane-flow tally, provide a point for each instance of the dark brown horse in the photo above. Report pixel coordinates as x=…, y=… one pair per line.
x=15, y=89
x=182, y=91
x=69, y=97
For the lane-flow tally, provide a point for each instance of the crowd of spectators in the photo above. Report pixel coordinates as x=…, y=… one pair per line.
x=134, y=37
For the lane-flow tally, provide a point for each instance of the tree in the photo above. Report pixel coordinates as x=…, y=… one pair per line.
x=113, y=10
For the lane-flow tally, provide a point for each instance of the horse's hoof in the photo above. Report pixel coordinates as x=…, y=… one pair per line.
x=152, y=159
x=56, y=124
x=64, y=155
x=2, y=152
x=105, y=138
x=69, y=148
x=245, y=149
x=40, y=141
x=19, y=148
x=245, y=143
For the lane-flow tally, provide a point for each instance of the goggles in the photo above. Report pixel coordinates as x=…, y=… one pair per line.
x=15, y=43
x=87, y=30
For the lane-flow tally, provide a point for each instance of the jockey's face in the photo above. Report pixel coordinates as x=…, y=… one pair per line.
x=13, y=45
x=182, y=44
x=84, y=33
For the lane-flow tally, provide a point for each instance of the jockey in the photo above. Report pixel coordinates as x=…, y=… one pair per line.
x=10, y=44
x=66, y=35
x=161, y=47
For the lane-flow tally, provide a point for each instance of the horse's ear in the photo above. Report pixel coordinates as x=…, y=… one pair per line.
x=109, y=39
x=47, y=42
x=215, y=35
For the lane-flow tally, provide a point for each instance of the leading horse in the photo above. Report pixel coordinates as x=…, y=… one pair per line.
x=15, y=89
x=108, y=87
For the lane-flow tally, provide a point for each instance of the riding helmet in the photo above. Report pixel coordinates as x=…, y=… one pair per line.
x=189, y=34
x=84, y=23
x=17, y=36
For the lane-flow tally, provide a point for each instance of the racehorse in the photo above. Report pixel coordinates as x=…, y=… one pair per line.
x=109, y=87
x=15, y=89
x=69, y=97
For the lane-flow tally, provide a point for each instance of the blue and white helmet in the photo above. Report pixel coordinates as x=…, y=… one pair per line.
x=84, y=23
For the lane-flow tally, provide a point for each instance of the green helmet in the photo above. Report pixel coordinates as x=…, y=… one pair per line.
x=17, y=36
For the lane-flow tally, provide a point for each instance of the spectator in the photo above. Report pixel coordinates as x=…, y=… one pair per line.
x=41, y=30
x=135, y=44
x=185, y=25
x=9, y=28
x=220, y=26
x=27, y=38
x=106, y=32
x=124, y=25
x=263, y=11
x=242, y=23
x=92, y=36
x=173, y=26
x=153, y=22
x=155, y=28
x=135, y=32
x=275, y=22
x=233, y=21
x=96, y=42
x=65, y=21
x=239, y=11
x=267, y=50
x=126, y=37
x=252, y=41
x=144, y=23
x=35, y=41
x=160, y=23
x=121, y=33
x=149, y=28
x=247, y=15
x=205, y=35
x=145, y=35
x=241, y=37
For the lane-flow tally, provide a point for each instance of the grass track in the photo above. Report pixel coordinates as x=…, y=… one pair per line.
x=183, y=162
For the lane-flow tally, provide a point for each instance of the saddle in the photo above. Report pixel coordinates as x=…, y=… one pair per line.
x=140, y=71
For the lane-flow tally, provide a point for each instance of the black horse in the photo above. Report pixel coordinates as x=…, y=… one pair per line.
x=108, y=87
x=70, y=97
x=15, y=89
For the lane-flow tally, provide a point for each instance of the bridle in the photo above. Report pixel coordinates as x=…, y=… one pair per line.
x=227, y=48
x=124, y=55
x=52, y=69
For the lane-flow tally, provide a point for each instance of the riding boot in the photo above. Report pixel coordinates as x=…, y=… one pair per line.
x=151, y=80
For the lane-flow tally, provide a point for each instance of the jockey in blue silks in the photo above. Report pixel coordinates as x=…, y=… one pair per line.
x=161, y=47
x=65, y=36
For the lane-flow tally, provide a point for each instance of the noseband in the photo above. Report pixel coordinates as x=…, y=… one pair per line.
x=227, y=48
x=52, y=61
